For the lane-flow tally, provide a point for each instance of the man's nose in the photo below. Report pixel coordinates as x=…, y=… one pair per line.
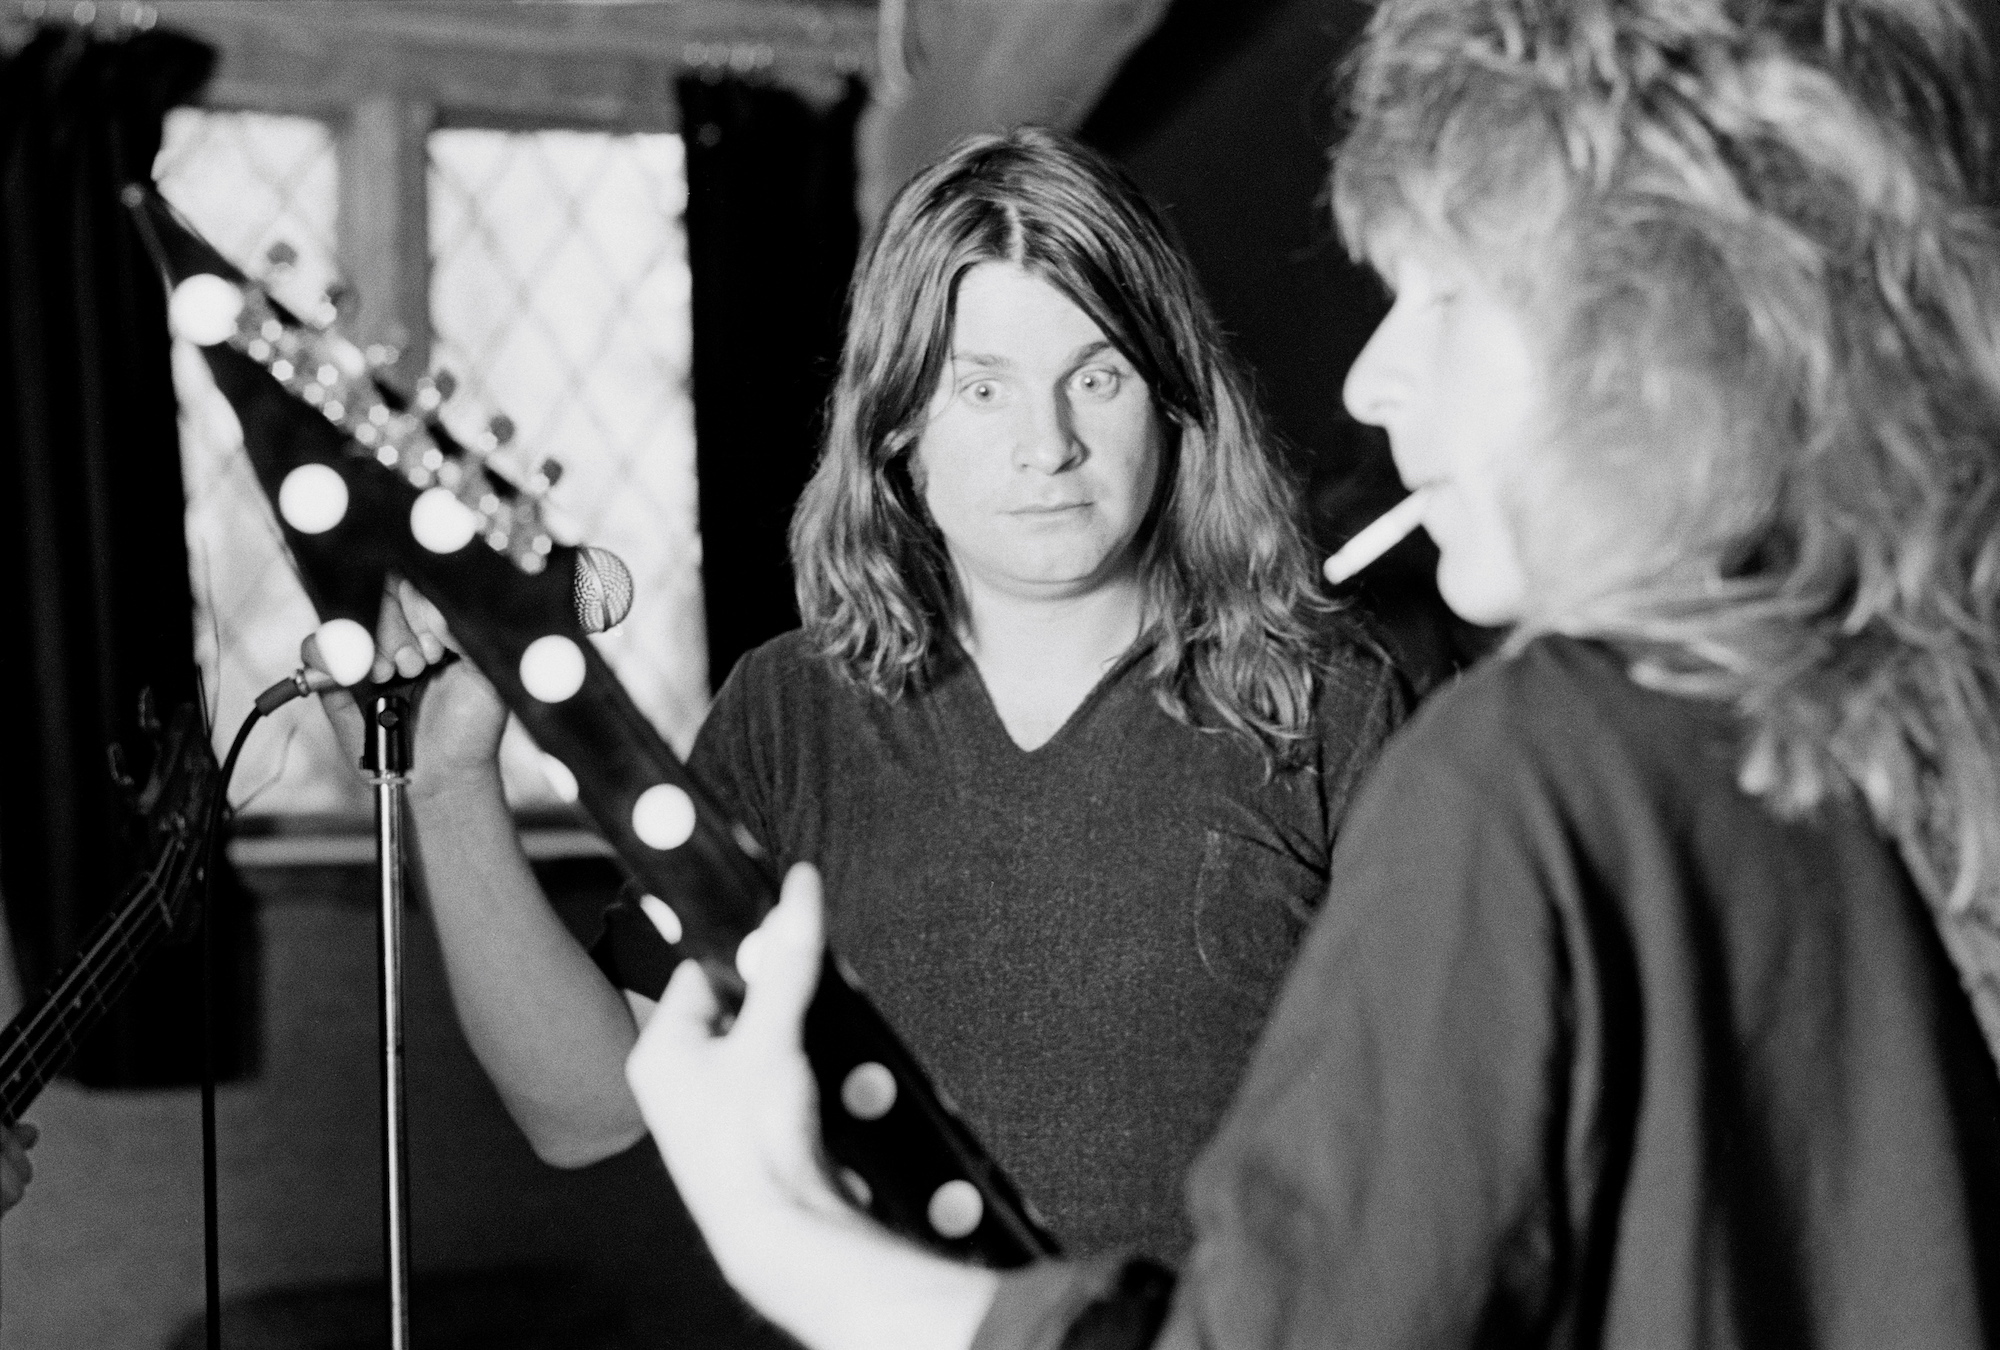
x=1045, y=437
x=1372, y=388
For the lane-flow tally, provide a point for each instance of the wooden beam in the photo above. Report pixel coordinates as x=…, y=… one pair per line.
x=602, y=65
x=987, y=65
x=384, y=226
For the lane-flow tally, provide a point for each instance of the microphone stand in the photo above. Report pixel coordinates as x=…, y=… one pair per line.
x=387, y=759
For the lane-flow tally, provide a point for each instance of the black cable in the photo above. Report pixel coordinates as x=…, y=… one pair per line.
x=210, y=1252
x=283, y=692
x=210, y=1227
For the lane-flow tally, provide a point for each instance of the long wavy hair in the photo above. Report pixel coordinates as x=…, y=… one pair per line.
x=1229, y=590
x=1754, y=240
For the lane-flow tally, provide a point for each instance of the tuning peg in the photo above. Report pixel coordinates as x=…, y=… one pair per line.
x=120, y=774
x=281, y=255
x=547, y=474
x=342, y=298
x=382, y=354
x=434, y=389
x=502, y=427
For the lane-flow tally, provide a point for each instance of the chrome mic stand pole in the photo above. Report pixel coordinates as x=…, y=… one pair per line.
x=388, y=762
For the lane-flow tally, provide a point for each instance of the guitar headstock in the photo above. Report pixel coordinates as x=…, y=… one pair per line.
x=176, y=809
x=465, y=492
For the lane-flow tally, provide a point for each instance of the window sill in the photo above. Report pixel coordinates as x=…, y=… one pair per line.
x=348, y=841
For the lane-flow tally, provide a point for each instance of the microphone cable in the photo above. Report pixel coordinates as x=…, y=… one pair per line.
x=296, y=685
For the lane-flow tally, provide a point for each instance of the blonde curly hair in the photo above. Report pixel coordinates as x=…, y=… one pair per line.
x=1756, y=243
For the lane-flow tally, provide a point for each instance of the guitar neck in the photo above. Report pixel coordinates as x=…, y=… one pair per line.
x=41, y=1039
x=307, y=398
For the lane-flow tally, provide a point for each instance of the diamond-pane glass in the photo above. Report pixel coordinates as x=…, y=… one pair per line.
x=559, y=297
x=248, y=181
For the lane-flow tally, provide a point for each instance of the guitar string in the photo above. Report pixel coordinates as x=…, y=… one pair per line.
x=80, y=996
x=89, y=966
x=57, y=1012
x=111, y=956
x=26, y=1070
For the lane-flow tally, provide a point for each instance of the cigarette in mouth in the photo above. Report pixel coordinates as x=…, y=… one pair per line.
x=1376, y=538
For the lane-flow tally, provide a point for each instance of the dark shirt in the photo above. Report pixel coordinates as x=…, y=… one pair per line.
x=1590, y=1049
x=1080, y=942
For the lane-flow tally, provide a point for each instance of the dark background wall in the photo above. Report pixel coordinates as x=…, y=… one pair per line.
x=1225, y=117
x=106, y=1249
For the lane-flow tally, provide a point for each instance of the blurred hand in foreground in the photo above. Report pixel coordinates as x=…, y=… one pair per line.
x=735, y=1114
x=15, y=1169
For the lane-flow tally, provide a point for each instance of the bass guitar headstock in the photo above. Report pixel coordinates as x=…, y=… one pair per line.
x=464, y=492
x=172, y=814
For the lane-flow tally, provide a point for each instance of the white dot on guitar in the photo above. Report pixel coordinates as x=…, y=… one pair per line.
x=346, y=650
x=313, y=498
x=857, y=1187
x=439, y=520
x=552, y=668
x=955, y=1209
x=663, y=917
x=204, y=309
x=868, y=1091
x=663, y=817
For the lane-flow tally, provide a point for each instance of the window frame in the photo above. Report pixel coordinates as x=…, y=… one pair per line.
x=384, y=74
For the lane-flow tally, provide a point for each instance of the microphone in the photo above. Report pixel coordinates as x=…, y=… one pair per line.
x=603, y=590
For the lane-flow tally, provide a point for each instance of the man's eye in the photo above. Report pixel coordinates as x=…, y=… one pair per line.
x=1099, y=382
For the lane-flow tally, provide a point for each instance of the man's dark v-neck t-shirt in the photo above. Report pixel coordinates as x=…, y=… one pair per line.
x=1079, y=941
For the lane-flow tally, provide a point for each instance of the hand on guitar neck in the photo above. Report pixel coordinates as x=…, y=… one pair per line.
x=15, y=1169
x=15, y=1141
x=459, y=720
x=547, y=1027
x=734, y=1114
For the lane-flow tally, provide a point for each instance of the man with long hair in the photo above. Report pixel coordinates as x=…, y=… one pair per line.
x=1646, y=1008
x=1067, y=727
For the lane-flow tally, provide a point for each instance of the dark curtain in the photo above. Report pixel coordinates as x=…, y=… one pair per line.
x=772, y=236
x=95, y=605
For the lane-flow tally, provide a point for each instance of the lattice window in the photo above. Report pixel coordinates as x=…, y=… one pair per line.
x=560, y=297
x=249, y=181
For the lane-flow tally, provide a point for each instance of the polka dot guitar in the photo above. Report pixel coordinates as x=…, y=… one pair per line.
x=369, y=483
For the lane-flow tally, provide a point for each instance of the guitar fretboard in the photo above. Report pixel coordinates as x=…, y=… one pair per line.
x=41, y=1039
